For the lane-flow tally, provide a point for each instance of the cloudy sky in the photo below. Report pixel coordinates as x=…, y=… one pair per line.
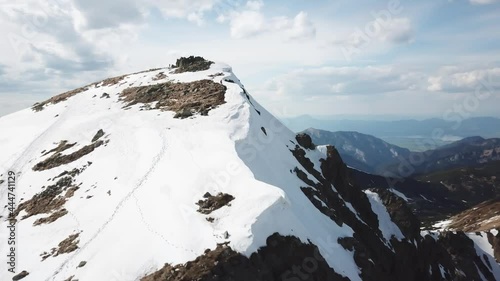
x=324, y=57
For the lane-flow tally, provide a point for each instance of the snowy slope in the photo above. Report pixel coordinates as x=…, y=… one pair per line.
x=135, y=206
x=162, y=167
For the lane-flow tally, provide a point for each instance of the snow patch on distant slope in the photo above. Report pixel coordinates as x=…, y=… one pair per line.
x=386, y=225
x=399, y=194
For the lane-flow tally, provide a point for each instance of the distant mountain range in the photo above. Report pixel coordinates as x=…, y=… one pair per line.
x=486, y=127
x=464, y=153
x=360, y=151
x=439, y=183
x=373, y=155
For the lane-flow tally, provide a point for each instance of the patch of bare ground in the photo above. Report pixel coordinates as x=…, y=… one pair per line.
x=110, y=81
x=49, y=201
x=59, y=98
x=59, y=159
x=73, y=173
x=39, y=106
x=159, y=76
x=482, y=217
x=275, y=261
x=52, y=218
x=212, y=203
x=185, y=99
x=62, y=146
x=192, y=64
x=68, y=245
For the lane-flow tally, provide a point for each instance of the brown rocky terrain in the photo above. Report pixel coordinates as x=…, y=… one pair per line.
x=283, y=258
x=66, y=95
x=482, y=217
x=191, y=64
x=185, y=99
x=58, y=159
x=46, y=201
x=212, y=203
x=68, y=245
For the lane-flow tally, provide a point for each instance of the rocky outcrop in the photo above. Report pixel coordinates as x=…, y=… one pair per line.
x=192, y=64
x=305, y=141
x=212, y=203
x=495, y=243
x=400, y=213
x=185, y=99
x=46, y=201
x=68, y=245
x=20, y=276
x=283, y=258
x=98, y=135
x=59, y=159
x=450, y=256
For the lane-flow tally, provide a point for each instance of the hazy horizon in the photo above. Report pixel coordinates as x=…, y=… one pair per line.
x=401, y=58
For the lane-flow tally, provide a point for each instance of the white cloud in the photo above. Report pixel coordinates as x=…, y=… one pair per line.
x=252, y=22
x=300, y=28
x=331, y=81
x=398, y=30
x=192, y=10
x=453, y=80
x=435, y=84
x=247, y=24
x=97, y=14
x=255, y=5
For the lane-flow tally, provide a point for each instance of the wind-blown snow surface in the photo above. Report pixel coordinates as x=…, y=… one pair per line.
x=156, y=168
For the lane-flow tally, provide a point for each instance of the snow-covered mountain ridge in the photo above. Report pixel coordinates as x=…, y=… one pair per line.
x=171, y=175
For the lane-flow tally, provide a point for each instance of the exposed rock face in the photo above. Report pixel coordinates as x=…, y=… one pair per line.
x=212, y=203
x=192, y=64
x=185, y=99
x=413, y=258
x=401, y=214
x=63, y=145
x=305, y=141
x=495, y=242
x=45, y=201
x=21, y=275
x=98, y=135
x=59, y=159
x=283, y=258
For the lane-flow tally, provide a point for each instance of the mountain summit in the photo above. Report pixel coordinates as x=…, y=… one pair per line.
x=179, y=174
